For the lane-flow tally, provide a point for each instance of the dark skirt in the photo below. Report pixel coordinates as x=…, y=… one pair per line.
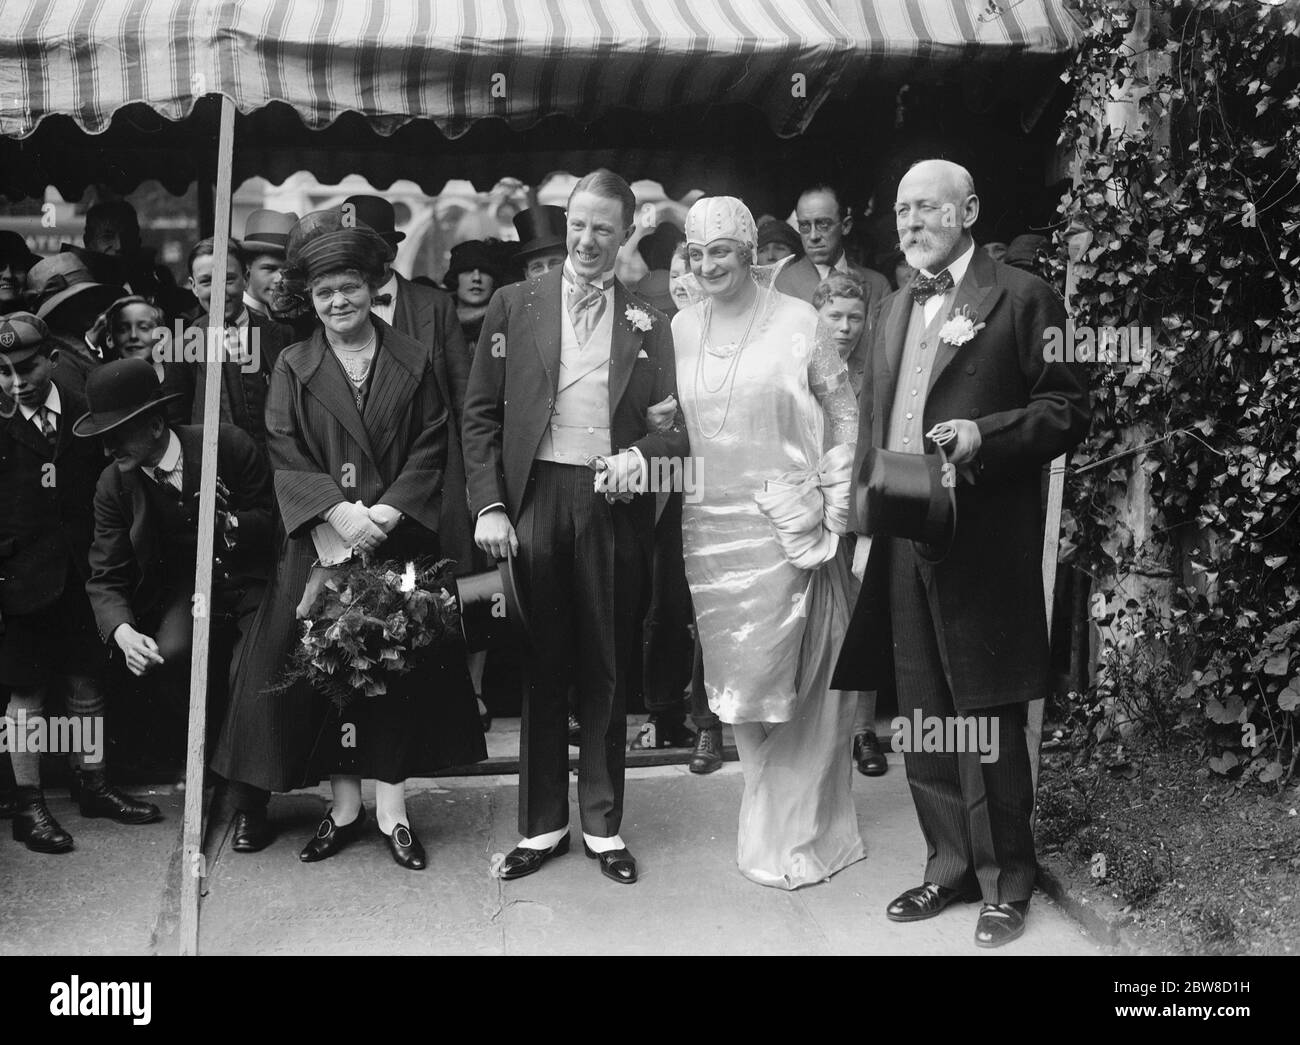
x=282, y=739
x=57, y=641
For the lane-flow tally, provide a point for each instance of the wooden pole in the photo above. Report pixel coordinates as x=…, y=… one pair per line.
x=193, y=867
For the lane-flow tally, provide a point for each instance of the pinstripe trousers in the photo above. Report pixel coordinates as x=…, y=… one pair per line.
x=976, y=817
x=585, y=572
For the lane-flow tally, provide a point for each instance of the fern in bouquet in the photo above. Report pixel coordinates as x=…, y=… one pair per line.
x=370, y=620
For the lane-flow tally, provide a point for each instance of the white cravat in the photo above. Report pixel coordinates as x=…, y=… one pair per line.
x=170, y=469
x=958, y=271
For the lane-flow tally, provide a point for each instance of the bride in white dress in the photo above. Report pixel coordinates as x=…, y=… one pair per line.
x=769, y=591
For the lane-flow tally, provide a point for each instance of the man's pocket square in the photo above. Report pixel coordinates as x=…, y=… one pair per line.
x=642, y=354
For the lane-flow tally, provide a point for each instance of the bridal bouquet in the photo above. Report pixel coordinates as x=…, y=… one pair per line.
x=368, y=621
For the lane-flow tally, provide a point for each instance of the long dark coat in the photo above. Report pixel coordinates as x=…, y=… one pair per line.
x=989, y=590
x=323, y=451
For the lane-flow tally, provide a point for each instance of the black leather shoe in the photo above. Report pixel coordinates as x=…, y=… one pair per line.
x=521, y=862
x=707, y=755
x=406, y=848
x=35, y=826
x=575, y=730
x=252, y=832
x=867, y=755
x=330, y=838
x=925, y=901
x=95, y=797
x=618, y=864
x=1001, y=923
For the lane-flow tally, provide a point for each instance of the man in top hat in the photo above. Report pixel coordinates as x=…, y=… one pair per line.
x=472, y=276
x=266, y=232
x=823, y=222
x=248, y=342
x=69, y=299
x=143, y=556
x=16, y=260
x=556, y=436
x=541, y=240
x=48, y=478
x=957, y=360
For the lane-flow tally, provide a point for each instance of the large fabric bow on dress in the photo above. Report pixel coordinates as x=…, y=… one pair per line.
x=809, y=509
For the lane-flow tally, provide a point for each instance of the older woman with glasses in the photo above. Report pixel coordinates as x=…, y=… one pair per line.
x=357, y=437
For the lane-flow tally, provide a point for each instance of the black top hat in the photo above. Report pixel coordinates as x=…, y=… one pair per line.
x=377, y=214
x=912, y=496
x=467, y=256
x=491, y=607
x=540, y=228
x=117, y=392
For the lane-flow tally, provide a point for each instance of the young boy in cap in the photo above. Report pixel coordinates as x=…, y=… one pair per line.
x=49, y=631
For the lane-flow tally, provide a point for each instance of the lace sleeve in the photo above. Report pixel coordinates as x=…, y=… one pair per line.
x=828, y=378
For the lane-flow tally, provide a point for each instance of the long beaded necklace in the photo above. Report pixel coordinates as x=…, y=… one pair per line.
x=733, y=368
x=356, y=364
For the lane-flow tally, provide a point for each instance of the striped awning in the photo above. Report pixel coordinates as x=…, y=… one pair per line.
x=450, y=61
x=920, y=39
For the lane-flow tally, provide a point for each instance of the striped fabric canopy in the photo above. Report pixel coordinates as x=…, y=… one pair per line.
x=921, y=38
x=451, y=61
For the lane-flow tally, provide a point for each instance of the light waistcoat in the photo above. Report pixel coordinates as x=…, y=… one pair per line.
x=579, y=425
x=920, y=347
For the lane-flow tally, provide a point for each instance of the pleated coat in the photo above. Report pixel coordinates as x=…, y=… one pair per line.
x=324, y=451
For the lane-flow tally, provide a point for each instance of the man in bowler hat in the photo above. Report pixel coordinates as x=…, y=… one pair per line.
x=957, y=360
x=48, y=479
x=145, y=548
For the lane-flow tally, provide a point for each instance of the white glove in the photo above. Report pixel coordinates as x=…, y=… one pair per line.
x=352, y=521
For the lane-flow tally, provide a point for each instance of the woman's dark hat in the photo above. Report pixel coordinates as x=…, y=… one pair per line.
x=912, y=496
x=13, y=248
x=468, y=256
x=540, y=229
x=326, y=241
x=773, y=231
x=491, y=608
x=117, y=392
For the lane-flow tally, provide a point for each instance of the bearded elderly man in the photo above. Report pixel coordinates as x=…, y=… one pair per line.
x=966, y=636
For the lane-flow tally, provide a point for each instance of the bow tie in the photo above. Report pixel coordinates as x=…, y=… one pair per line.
x=925, y=287
x=382, y=299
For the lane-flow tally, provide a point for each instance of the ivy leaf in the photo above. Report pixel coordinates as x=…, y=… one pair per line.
x=1224, y=714
x=1278, y=663
x=1272, y=771
x=1225, y=763
x=1289, y=698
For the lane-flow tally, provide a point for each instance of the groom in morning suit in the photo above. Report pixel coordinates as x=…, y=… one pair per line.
x=566, y=367
x=966, y=636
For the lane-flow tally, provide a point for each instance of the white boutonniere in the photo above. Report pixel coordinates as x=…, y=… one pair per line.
x=960, y=328
x=639, y=318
